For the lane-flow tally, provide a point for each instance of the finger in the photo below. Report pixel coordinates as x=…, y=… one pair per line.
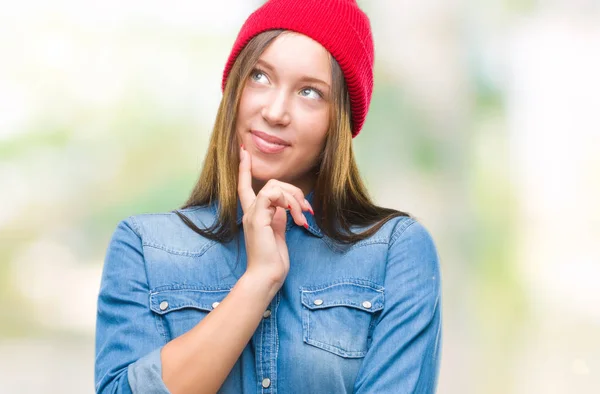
x=270, y=197
x=277, y=196
x=295, y=209
x=297, y=193
x=266, y=203
x=245, y=191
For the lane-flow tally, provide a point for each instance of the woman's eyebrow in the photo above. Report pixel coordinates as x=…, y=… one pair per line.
x=305, y=78
x=265, y=64
x=315, y=80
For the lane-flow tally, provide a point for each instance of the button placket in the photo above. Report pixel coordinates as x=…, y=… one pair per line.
x=266, y=339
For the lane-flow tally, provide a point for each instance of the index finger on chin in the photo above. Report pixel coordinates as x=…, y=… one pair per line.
x=245, y=190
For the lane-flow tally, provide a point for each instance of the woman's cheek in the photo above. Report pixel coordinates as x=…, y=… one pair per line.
x=315, y=121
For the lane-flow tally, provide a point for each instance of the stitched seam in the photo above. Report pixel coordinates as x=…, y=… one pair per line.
x=372, y=241
x=272, y=338
x=307, y=313
x=135, y=227
x=342, y=281
x=184, y=306
x=316, y=290
x=341, y=351
x=337, y=248
x=371, y=310
x=159, y=323
x=182, y=288
x=194, y=209
x=260, y=355
x=276, y=355
x=160, y=327
x=181, y=252
x=399, y=232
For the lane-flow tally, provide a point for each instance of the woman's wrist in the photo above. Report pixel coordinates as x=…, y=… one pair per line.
x=260, y=284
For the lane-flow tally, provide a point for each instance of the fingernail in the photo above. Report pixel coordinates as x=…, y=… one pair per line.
x=242, y=146
x=290, y=207
x=309, y=207
x=306, y=226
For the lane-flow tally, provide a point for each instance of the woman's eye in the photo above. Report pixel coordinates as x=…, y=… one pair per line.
x=311, y=93
x=259, y=76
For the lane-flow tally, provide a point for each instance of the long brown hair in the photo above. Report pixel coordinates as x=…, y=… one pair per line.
x=340, y=199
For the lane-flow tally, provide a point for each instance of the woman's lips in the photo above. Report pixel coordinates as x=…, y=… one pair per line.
x=266, y=146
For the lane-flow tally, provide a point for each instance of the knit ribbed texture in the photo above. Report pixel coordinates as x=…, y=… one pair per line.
x=339, y=25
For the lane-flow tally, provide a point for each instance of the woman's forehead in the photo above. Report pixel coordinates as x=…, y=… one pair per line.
x=293, y=52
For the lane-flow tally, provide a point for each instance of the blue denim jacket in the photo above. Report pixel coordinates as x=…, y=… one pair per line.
x=364, y=318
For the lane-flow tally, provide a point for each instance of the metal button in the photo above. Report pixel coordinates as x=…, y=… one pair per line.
x=267, y=314
x=215, y=304
x=366, y=304
x=318, y=302
x=163, y=305
x=266, y=382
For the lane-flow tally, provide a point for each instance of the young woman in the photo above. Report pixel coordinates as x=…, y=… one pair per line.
x=279, y=274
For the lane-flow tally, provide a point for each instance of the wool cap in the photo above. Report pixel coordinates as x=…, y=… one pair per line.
x=339, y=25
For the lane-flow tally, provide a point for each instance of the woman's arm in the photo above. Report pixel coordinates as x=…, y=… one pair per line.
x=131, y=354
x=127, y=340
x=405, y=349
x=200, y=360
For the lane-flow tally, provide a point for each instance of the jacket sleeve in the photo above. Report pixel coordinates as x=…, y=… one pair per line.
x=405, y=349
x=128, y=342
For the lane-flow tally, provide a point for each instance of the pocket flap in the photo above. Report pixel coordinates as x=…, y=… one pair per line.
x=172, y=299
x=357, y=294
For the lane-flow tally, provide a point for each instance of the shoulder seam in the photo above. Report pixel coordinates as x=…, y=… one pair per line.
x=135, y=227
x=398, y=232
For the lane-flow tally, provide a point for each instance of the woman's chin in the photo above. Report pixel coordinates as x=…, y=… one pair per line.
x=264, y=171
x=265, y=176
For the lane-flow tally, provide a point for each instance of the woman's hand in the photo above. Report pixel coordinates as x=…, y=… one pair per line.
x=265, y=220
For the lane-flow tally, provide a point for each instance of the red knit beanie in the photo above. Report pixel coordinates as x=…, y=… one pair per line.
x=339, y=25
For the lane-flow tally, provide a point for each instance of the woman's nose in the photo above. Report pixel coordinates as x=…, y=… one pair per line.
x=276, y=111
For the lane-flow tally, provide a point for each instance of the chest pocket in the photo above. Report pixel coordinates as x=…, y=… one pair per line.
x=339, y=317
x=179, y=308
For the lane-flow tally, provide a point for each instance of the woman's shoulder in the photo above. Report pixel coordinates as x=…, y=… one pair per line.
x=394, y=232
x=412, y=246
x=394, y=228
x=167, y=230
x=408, y=229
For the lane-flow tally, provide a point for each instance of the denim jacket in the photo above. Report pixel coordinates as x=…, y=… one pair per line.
x=364, y=318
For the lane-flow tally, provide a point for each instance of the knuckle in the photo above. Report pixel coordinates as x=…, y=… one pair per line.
x=262, y=193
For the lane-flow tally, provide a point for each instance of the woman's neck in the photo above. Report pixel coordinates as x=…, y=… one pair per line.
x=306, y=184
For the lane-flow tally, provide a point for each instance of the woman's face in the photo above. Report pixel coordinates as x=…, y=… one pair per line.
x=283, y=114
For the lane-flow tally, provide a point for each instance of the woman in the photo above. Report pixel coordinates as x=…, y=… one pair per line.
x=279, y=274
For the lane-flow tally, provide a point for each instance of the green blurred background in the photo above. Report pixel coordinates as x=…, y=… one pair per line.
x=484, y=124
